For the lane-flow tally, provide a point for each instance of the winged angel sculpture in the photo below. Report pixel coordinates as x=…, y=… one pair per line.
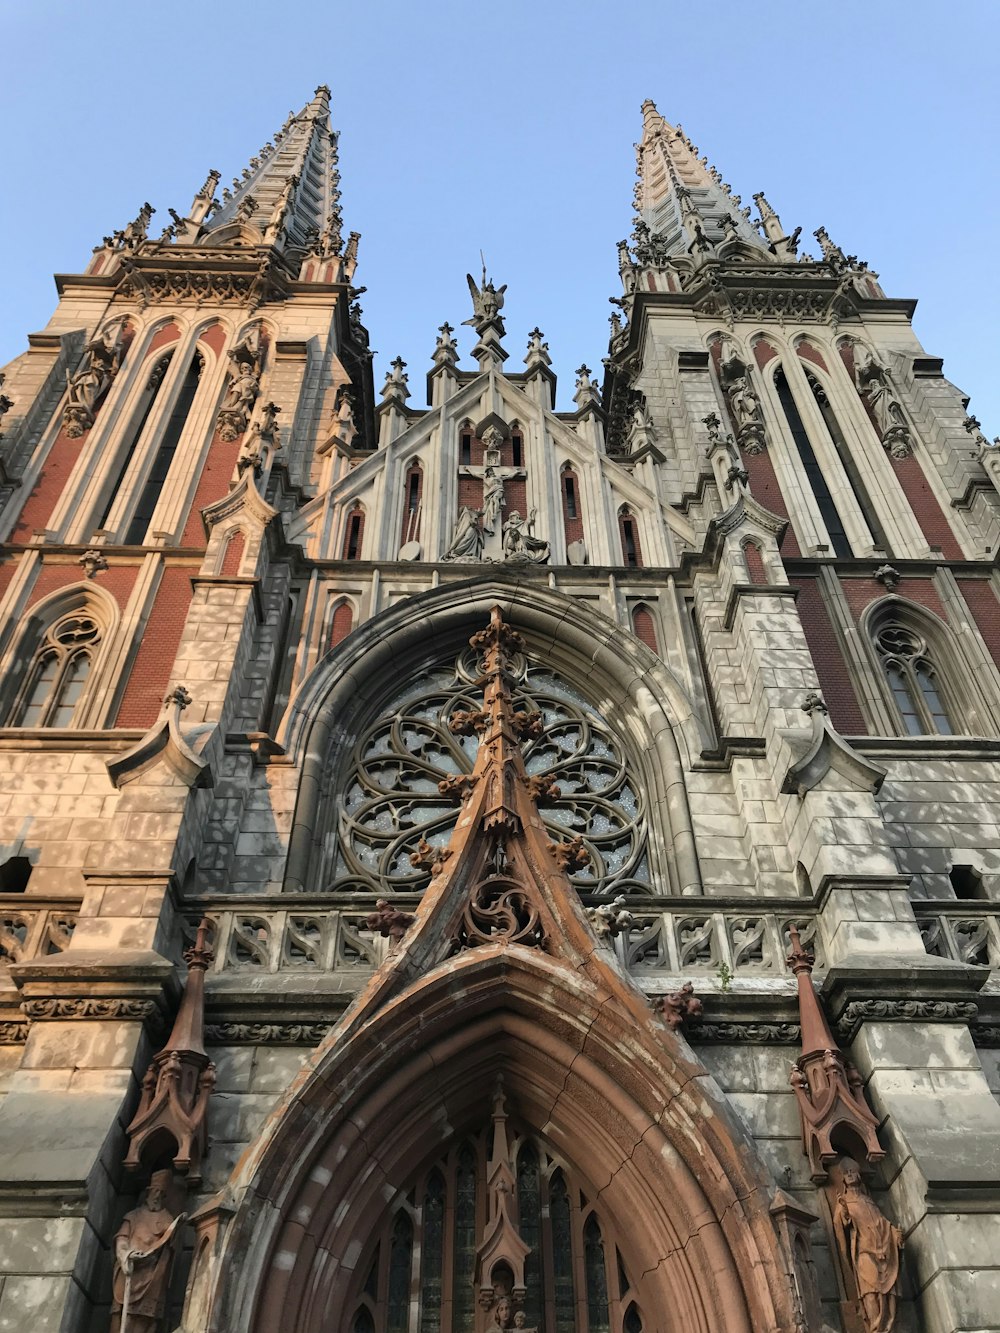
x=486, y=304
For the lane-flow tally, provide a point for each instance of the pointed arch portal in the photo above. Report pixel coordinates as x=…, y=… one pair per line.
x=664, y=1164
x=502, y=1001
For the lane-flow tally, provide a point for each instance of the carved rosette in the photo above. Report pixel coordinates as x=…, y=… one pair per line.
x=499, y=911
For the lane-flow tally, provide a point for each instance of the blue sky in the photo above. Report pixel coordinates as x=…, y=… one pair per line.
x=510, y=128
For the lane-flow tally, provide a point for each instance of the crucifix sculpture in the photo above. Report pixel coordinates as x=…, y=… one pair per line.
x=493, y=476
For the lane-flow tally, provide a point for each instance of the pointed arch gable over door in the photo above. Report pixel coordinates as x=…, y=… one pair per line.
x=622, y=678
x=665, y=1167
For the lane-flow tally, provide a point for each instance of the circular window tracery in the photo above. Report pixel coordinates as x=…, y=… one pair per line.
x=390, y=800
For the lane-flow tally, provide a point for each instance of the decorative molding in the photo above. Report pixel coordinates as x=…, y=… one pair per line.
x=739, y=1034
x=856, y=1012
x=165, y=740
x=13, y=1033
x=828, y=750
x=275, y=1034
x=38, y=1010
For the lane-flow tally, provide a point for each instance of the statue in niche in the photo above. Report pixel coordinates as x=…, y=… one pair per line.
x=143, y=1256
x=875, y=387
x=241, y=394
x=870, y=1246
x=467, y=541
x=101, y=359
x=518, y=543
x=493, y=499
x=744, y=403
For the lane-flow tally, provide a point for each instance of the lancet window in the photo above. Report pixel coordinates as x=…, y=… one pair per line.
x=810, y=464
x=389, y=799
x=150, y=394
x=420, y=1272
x=164, y=456
x=57, y=675
x=914, y=680
x=847, y=459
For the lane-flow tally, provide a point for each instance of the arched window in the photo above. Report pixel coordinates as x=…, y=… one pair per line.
x=55, y=680
x=847, y=459
x=572, y=510
x=629, y=531
x=914, y=680
x=164, y=456
x=810, y=465
x=341, y=623
x=149, y=397
x=465, y=447
x=413, y=496
x=355, y=533
x=420, y=1279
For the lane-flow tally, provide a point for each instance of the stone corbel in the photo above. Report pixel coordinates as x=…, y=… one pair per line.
x=828, y=750
x=165, y=742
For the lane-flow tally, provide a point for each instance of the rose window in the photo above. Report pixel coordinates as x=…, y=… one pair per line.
x=391, y=799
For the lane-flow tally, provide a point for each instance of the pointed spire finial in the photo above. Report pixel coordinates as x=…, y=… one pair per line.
x=180, y=1078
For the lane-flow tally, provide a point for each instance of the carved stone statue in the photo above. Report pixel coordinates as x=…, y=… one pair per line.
x=467, y=541
x=870, y=1245
x=518, y=542
x=101, y=359
x=234, y=415
x=144, y=1253
x=876, y=389
x=486, y=303
x=493, y=499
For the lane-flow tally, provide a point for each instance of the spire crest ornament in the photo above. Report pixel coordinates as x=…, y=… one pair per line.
x=173, y=1108
x=832, y=1107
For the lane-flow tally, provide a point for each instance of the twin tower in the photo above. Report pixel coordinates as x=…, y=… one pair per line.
x=485, y=762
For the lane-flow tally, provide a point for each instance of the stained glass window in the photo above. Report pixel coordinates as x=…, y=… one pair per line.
x=575, y=1275
x=55, y=682
x=913, y=681
x=390, y=799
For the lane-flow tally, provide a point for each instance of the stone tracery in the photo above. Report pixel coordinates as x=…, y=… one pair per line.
x=393, y=795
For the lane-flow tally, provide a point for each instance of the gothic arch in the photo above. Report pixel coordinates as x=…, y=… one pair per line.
x=612, y=1091
x=967, y=710
x=622, y=677
x=83, y=600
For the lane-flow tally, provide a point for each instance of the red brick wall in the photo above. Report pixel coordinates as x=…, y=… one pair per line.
x=213, y=484
x=341, y=625
x=645, y=627
x=233, y=557
x=862, y=592
x=119, y=581
x=150, y=677
x=470, y=492
x=832, y=669
x=755, y=563
x=809, y=353
x=985, y=608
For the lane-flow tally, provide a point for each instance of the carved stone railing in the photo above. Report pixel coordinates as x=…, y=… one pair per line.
x=33, y=929
x=269, y=939
x=293, y=940
x=963, y=931
x=725, y=942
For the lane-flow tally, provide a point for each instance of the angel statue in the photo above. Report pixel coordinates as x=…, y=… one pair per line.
x=486, y=304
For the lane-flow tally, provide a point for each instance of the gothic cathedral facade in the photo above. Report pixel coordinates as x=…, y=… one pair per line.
x=473, y=866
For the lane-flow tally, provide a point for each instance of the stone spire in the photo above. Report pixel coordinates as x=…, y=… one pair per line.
x=835, y=1117
x=172, y=1120
x=678, y=190
x=290, y=190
